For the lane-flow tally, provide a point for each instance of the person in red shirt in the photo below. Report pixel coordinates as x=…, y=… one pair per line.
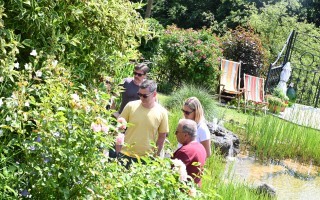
x=191, y=153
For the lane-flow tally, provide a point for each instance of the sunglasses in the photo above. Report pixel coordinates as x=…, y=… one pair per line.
x=187, y=112
x=144, y=95
x=138, y=74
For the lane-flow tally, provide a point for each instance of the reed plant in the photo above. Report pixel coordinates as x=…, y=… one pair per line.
x=272, y=137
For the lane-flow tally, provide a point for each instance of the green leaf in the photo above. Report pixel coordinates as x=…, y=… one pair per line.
x=10, y=189
x=27, y=42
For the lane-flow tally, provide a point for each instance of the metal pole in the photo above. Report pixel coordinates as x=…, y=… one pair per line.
x=268, y=77
x=286, y=57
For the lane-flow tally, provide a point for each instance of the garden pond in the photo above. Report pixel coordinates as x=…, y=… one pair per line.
x=291, y=179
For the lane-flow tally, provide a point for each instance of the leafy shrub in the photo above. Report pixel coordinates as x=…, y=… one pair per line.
x=277, y=101
x=154, y=180
x=245, y=46
x=50, y=148
x=150, y=44
x=278, y=92
x=45, y=125
x=50, y=145
x=187, y=56
x=94, y=38
x=178, y=97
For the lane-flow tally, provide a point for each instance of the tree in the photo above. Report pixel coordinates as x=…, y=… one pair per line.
x=149, y=8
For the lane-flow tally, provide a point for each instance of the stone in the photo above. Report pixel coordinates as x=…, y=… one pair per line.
x=267, y=189
x=226, y=141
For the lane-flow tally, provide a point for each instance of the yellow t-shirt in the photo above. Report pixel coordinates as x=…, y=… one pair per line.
x=146, y=124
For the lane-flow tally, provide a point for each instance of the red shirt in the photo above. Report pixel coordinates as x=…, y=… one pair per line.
x=189, y=154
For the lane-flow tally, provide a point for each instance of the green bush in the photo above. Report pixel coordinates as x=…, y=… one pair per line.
x=50, y=145
x=178, y=97
x=94, y=38
x=187, y=56
x=50, y=148
x=245, y=46
x=150, y=45
x=277, y=92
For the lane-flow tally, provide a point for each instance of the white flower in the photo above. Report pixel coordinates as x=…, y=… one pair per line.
x=8, y=118
x=56, y=134
x=75, y=97
x=54, y=63
x=1, y=102
x=27, y=66
x=38, y=73
x=16, y=65
x=178, y=163
x=27, y=104
x=180, y=167
x=34, y=53
x=1, y=132
x=1, y=79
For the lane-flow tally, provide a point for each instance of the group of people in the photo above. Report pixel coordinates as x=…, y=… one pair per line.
x=149, y=124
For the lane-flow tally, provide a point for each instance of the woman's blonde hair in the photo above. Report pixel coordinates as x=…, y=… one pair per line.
x=194, y=104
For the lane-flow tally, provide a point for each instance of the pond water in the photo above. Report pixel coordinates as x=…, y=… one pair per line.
x=290, y=179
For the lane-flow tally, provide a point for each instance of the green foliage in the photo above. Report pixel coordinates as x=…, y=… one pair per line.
x=94, y=38
x=149, y=45
x=202, y=13
x=176, y=100
x=231, y=14
x=185, y=14
x=146, y=181
x=50, y=148
x=277, y=92
x=187, y=56
x=245, y=46
x=277, y=100
x=45, y=126
x=50, y=145
x=274, y=24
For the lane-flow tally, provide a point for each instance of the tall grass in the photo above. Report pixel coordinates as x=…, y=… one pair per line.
x=272, y=137
x=177, y=98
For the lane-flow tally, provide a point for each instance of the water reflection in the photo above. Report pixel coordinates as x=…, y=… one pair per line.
x=290, y=179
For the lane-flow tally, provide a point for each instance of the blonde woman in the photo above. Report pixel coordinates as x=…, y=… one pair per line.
x=192, y=109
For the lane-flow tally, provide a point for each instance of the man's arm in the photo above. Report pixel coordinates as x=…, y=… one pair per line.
x=160, y=142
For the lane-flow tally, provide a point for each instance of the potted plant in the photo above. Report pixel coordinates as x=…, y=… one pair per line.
x=278, y=101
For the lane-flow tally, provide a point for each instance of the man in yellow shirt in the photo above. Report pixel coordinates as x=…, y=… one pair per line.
x=149, y=124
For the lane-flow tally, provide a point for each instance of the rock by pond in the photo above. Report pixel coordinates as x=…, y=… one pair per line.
x=226, y=141
x=267, y=189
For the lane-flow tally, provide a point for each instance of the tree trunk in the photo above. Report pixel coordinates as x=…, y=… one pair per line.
x=149, y=7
